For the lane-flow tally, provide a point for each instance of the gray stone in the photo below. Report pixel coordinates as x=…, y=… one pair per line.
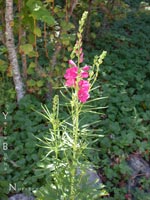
x=21, y=197
x=91, y=176
x=139, y=166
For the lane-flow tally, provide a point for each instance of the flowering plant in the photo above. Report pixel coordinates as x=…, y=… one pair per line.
x=68, y=141
x=75, y=79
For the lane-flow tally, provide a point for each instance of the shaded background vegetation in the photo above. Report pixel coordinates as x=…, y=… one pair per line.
x=44, y=39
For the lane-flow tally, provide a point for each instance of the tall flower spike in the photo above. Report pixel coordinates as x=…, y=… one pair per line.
x=78, y=44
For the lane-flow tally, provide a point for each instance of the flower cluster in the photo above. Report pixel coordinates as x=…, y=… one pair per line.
x=75, y=78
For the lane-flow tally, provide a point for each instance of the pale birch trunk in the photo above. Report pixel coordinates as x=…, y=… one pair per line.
x=12, y=55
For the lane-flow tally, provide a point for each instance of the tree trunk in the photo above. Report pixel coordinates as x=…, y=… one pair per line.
x=12, y=55
x=22, y=34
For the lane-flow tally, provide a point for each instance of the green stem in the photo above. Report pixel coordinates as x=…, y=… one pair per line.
x=75, y=119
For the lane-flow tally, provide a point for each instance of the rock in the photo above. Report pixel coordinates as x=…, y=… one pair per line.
x=90, y=174
x=139, y=168
x=139, y=165
x=21, y=197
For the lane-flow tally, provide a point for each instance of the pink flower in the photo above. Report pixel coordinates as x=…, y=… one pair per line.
x=86, y=68
x=83, y=84
x=71, y=79
x=70, y=76
x=70, y=82
x=81, y=58
x=71, y=72
x=83, y=95
x=72, y=63
x=84, y=72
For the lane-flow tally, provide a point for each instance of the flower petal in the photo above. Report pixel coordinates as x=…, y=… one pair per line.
x=86, y=68
x=83, y=96
x=72, y=63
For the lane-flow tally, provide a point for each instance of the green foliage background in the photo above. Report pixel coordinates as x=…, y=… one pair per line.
x=124, y=78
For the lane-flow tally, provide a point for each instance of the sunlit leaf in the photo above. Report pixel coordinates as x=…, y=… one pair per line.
x=37, y=31
x=26, y=48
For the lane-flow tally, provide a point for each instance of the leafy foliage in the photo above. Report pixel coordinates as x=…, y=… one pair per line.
x=125, y=80
x=19, y=161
